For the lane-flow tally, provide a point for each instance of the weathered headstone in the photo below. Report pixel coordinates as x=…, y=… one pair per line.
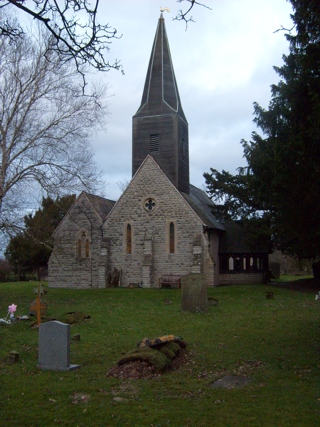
x=194, y=293
x=54, y=347
x=39, y=290
x=275, y=270
x=13, y=356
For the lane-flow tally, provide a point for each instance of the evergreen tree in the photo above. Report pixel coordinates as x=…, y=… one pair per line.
x=31, y=249
x=281, y=182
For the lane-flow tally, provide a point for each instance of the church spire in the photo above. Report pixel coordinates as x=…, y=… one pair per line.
x=160, y=127
x=160, y=92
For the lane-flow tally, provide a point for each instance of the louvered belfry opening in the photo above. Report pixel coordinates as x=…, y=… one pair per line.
x=154, y=143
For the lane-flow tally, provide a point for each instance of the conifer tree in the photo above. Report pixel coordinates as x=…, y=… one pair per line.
x=281, y=182
x=30, y=250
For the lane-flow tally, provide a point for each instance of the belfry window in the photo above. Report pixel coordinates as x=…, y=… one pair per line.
x=154, y=143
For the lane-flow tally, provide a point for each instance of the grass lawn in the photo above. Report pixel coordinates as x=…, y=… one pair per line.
x=275, y=342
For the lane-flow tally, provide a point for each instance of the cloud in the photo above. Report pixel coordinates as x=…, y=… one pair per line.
x=223, y=63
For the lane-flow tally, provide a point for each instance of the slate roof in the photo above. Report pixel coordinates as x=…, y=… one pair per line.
x=202, y=205
x=234, y=241
x=101, y=205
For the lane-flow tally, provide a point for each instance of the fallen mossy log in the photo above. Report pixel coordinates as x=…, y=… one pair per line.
x=159, y=356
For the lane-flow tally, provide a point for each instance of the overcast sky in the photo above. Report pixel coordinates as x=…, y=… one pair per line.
x=223, y=63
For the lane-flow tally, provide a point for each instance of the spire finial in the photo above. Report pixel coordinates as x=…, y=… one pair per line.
x=162, y=9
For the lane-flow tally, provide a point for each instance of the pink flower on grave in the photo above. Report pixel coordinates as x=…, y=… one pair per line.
x=12, y=308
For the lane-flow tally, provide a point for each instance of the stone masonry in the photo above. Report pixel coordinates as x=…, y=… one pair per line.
x=68, y=269
x=150, y=257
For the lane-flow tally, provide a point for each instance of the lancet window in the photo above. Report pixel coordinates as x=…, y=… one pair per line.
x=128, y=239
x=171, y=237
x=83, y=244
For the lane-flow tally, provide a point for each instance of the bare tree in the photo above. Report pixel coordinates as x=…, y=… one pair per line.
x=123, y=184
x=45, y=121
x=76, y=33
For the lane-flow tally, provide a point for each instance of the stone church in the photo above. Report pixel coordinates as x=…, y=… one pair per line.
x=161, y=224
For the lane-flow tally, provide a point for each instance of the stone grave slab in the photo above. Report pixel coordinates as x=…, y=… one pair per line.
x=54, y=347
x=194, y=293
x=231, y=381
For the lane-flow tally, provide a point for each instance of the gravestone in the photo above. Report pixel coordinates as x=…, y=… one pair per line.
x=194, y=293
x=54, y=347
x=231, y=381
x=275, y=270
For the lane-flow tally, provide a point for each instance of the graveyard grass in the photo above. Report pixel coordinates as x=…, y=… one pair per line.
x=275, y=342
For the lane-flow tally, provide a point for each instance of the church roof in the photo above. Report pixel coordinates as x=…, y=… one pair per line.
x=235, y=240
x=202, y=206
x=101, y=205
x=160, y=81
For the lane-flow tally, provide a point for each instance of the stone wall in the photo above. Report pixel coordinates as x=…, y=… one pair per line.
x=66, y=268
x=241, y=278
x=151, y=257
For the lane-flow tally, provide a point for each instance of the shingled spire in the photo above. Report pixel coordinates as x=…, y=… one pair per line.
x=160, y=127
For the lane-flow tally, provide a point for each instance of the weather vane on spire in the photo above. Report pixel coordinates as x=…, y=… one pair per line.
x=162, y=9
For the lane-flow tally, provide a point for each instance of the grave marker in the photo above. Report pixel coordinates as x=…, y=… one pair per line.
x=54, y=347
x=194, y=293
x=39, y=307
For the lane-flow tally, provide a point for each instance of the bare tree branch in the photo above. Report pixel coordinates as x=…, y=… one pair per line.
x=282, y=28
x=183, y=15
x=45, y=122
x=76, y=34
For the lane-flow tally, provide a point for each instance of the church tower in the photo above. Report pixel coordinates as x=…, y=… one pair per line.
x=160, y=127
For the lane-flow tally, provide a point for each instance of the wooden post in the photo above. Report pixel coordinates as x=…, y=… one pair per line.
x=38, y=305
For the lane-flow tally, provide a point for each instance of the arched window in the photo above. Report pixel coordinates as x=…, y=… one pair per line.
x=87, y=248
x=83, y=244
x=129, y=239
x=171, y=238
x=244, y=263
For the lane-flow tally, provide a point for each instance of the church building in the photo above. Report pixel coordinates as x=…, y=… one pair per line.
x=161, y=224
